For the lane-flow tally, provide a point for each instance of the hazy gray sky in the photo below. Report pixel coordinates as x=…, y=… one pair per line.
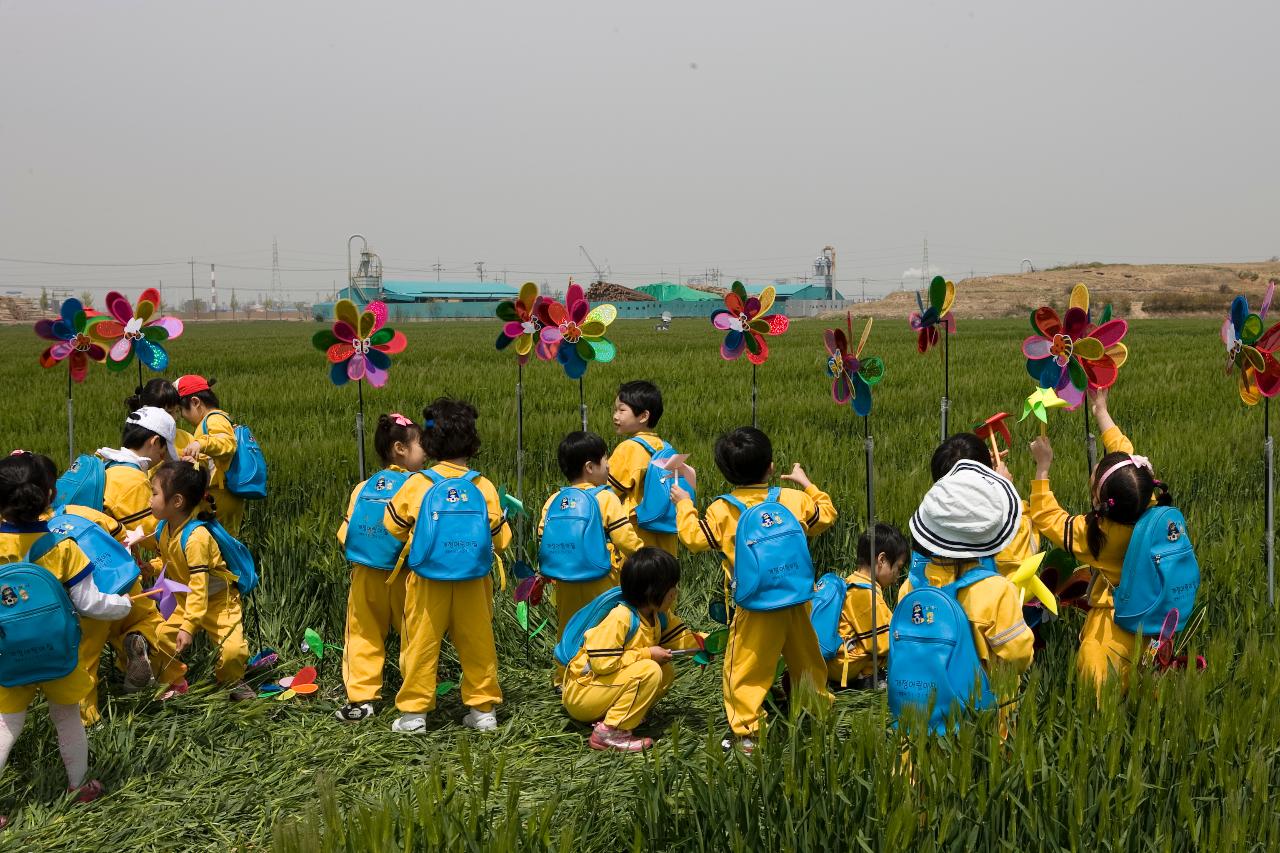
x=665, y=136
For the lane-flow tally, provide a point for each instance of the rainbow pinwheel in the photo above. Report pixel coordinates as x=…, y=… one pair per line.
x=574, y=333
x=135, y=330
x=73, y=342
x=1071, y=355
x=522, y=326
x=360, y=345
x=942, y=295
x=742, y=319
x=851, y=375
x=1250, y=348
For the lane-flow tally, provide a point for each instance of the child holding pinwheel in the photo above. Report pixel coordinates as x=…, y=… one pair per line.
x=375, y=607
x=214, y=439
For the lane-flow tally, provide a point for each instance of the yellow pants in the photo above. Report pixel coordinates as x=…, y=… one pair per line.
x=68, y=690
x=230, y=510
x=665, y=541
x=373, y=610
x=756, y=639
x=1106, y=649
x=143, y=619
x=622, y=698
x=846, y=667
x=572, y=596
x=223, y=622
x=463, y=610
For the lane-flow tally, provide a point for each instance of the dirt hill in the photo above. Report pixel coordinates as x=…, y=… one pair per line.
x=1153, y=290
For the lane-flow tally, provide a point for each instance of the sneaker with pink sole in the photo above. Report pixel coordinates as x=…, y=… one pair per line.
x=617, y=740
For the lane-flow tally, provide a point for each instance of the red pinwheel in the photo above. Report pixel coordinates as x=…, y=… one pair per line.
x=1071, y=355
x=942, y=295
x=131, y=330
x=522, y=325
x=742, y=320
x=73, y=342
x=851, y=375
x=360, y=345
x=1250, y=348
x=574, y=333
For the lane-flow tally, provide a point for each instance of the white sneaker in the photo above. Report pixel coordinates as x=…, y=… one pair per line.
x=410, y=723
x=481, y=721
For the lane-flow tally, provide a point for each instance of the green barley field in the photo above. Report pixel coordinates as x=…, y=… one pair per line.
x=1183, y=761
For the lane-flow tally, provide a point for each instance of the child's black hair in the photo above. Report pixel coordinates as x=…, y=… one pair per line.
x=449, y=429
x=206, y=396
x=576, y=450
x=889, y=541
x=962, y=445
x=157, y=392
x=191, y=483
x=647, y=576
x=744, y=456
x=388, y=432
x=1123, y=498
x=27, y=482
x=641, y=396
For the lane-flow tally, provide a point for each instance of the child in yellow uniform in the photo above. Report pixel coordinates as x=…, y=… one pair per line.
x=435, y=606
x=1123, y=487
x=852, y=665
x=26, y=492
x=583, y=458
x=757, y=637
x=161, y=394
x=375, y=607
x=213, y=442
x=178, y=497
x=625, y=663
x=636, y=413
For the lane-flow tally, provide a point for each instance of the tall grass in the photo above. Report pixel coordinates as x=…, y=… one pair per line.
x=1182, y=761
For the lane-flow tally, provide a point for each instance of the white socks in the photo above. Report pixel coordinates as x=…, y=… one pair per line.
x=72, y=741
x=10, y=728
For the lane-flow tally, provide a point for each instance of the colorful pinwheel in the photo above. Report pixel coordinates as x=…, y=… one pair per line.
x=360, y=345
x=135, y=330
x=742, y=320
x=1250, y=348
x=73, y=341
x=942, y=294
x=1039, y=403
x=851, y=375
x=522, y=326
x=574, y=333
x=1071, y=355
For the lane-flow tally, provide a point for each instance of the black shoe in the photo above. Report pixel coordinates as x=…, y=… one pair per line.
x=354, y=712
x=137, y=668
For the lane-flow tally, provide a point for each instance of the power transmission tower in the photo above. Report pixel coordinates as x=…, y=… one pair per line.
x=276, y=287
x=924, y=266
x=436, y=266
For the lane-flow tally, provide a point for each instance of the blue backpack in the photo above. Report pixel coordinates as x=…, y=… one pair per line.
x=39, y=629
x=114, y=569
x=828, y=605
x=933, y=663
x=233, y=551
x=656, y=512
x=772, y=567
x=1160, y=573
x=369, y=543
x=84, y=483
x=451, y=540
x=573, y=546
x=247, y=474
x=592, y=614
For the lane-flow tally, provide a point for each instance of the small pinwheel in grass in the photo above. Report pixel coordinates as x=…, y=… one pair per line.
x=521, y=324
x=130, y=331
x=851, y=375
x=72, y=341
x=360, y=345
x=574, y=333
x=1071, y=355
x=1250, y=348
x=742, y=319
x=942, y=295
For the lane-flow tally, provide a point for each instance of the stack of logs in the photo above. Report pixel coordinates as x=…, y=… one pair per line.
x=603, y=291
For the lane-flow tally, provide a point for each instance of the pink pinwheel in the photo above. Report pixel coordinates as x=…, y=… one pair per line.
x=74, y=343
x=1071, y=355
x=942, y=296
x=851, y=374
x=165, y=592
x=745, y=327
x=136, y=330
x=574, y=333
x=522, y=326
x=360, y=345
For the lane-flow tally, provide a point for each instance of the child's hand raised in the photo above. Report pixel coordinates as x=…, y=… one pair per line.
x=1098, y=404
x=1042, y=453
x=798, y=476
x=1001, y=468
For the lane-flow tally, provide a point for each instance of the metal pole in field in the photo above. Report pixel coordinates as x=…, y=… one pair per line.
x=519, y=430
x=946, y=380
x=871, y=533
x=1269, y=503
x=754, y=420
x=360, y=427
x=582, y=404
x=1090, y=446
x=71, y=420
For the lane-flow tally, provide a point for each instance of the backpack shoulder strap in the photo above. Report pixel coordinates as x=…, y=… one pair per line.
x=773, y=493
x=969, y=578
x=471, y=476
x=646, y=445
x=733, y=502
x=188, y=529
x=431, y=475
x=595, y=490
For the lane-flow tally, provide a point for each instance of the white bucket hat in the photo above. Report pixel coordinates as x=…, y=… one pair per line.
x=161, y=423
x=970, y=513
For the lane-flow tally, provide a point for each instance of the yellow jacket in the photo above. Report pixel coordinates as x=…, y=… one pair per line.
x=1052, y=521
x=402, y=510
x=994, y=608
x=617, y=524
x=65, y=561
x=606, y=649
x=127, y=497
x=627, y=467
x=199, y=565
x=106, y=522
x=1025, y=544
x=217, y=437
x=855, y=621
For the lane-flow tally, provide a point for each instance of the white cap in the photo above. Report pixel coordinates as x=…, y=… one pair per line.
x=160, y=422
x=970, y=513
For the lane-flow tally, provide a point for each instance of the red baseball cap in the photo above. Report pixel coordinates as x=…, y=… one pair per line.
x=191, y=384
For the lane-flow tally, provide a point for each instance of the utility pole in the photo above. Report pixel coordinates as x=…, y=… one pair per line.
x=276, y=287
x=924, y=267
x=436, y=266
x=480, y=270
x=193, y=288
x=213, y=290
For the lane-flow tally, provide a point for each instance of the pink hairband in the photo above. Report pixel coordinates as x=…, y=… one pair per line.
x=1135, y=460
x=400, y=419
